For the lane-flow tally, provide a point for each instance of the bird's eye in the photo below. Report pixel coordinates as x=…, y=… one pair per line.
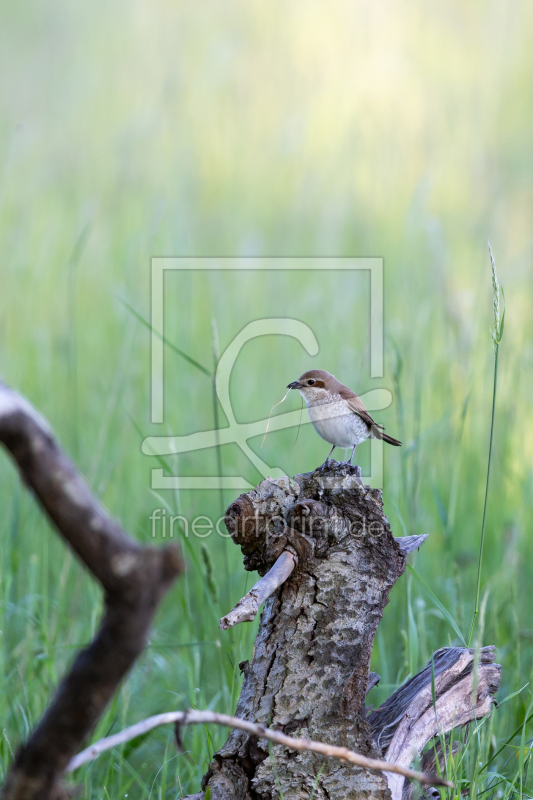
x=310, y=382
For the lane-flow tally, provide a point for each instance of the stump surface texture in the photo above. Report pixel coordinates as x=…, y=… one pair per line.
x=310, y=668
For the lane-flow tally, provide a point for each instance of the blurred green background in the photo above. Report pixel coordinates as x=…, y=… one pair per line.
x=139, y=129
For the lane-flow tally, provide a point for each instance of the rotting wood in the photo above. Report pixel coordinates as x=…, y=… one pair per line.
x=408, y=720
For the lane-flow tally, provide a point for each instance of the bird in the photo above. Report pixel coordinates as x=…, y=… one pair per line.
x=337, y=413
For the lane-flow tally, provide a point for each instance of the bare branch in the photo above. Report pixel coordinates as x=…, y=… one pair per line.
x=193, y=717
x=134, y=579
x=247, y=608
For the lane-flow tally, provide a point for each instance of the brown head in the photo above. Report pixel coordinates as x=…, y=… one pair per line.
x=314, y=384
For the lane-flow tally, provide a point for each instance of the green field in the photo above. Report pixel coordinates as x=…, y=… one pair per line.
x=132, y=130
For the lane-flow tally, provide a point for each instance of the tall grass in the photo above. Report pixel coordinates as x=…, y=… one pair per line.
x=353, y=129
x=496, y=336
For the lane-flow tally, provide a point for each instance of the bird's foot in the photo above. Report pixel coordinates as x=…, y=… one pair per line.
x=356, y=467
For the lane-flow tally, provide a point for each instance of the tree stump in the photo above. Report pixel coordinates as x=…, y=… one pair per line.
x=327, y=553
x=310, y=668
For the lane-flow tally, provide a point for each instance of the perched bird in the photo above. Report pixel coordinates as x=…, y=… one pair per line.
x=337, y=413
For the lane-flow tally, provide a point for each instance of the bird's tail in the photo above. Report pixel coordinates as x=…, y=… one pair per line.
x=389, y=439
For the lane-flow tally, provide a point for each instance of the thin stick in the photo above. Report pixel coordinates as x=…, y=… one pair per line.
x=271, y=410
x=247, y=608
x=300, y=421
x=193, y=717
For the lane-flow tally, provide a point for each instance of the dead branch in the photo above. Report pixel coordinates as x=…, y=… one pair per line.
x=247, y=608
x=193, y=717
x=408, y=720
x=134, y=579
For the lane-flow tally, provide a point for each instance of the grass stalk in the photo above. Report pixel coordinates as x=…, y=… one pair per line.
x=496, y=334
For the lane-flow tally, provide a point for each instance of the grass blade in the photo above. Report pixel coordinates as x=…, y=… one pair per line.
x=165, y=340
x=438, y=603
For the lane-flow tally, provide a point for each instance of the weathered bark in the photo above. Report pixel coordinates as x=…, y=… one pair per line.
x=412, y=717
x=134, y=580
x=310, y=669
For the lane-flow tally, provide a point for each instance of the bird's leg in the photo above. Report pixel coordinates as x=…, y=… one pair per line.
x=354, y=466
x=326, y=462
x=351, y=457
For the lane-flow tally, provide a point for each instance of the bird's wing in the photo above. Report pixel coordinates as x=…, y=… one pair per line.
x=357, y=406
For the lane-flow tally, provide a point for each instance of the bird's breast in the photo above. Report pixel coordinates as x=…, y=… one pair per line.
x=337, y=424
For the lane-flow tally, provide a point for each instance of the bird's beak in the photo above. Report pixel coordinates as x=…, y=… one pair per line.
x=294, y=385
